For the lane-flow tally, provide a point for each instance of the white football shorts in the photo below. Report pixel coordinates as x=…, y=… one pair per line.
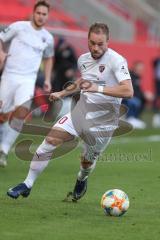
x=16, y=91
x=94, y=144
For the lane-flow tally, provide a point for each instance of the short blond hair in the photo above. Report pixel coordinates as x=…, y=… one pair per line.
x=99, y=28
x=41, y=3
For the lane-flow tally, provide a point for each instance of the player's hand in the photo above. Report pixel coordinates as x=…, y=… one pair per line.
x=47, y=87
x=55, y=96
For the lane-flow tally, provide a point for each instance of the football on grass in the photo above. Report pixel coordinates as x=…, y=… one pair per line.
x=115, y=202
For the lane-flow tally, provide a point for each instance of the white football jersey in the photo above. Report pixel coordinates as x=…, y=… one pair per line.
x=96, y=116
x=27, y=47
x=109, y=70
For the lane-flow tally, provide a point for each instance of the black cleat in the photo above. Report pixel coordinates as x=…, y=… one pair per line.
x=20, y=189
x=79, y=189
x=78, y=192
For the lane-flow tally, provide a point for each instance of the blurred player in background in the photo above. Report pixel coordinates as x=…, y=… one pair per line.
x=65, y=64
x=136, y=104
x=104, y=81
x=156, y=101
x=28, y=42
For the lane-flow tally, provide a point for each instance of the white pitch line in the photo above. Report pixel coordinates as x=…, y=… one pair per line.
x=153, y=138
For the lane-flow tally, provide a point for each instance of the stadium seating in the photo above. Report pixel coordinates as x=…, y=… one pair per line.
x=118, y=7
x=21, y=10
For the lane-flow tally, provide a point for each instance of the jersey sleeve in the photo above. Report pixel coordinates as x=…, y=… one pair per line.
x=79, y=63
x=121, y=70
x=49, y=51
x=10, y=32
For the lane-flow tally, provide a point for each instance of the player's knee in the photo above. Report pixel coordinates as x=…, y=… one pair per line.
x=53, y=141
x=20, y=113
x=85, y=163
x=4, y=117
x=90, y=156
x=57, y=137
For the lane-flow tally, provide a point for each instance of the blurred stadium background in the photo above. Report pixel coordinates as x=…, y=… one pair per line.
x=134, y=25
x=131, y=162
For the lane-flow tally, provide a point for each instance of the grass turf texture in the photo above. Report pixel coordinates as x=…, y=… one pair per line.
x=44, y=216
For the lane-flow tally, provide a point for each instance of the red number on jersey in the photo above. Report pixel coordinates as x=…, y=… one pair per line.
x=63, y=119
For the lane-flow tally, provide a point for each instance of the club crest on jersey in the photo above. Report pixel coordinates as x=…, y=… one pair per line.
x=101, y=68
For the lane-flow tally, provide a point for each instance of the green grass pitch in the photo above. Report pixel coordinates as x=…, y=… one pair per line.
x=131, y=163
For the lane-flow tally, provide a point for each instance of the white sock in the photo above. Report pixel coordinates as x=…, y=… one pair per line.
x=85, y=172
x=8, y=138
x=39, y=162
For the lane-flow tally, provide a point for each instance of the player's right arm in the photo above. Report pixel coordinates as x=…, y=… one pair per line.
x=73, y=88
x=7, y=35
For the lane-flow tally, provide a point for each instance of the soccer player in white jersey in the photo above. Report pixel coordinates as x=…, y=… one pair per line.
x=104, y=81
x=29, y=43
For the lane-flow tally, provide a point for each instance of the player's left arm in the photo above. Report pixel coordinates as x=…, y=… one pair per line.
x=48, y=65
x=122, y=90
x=6, y=35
